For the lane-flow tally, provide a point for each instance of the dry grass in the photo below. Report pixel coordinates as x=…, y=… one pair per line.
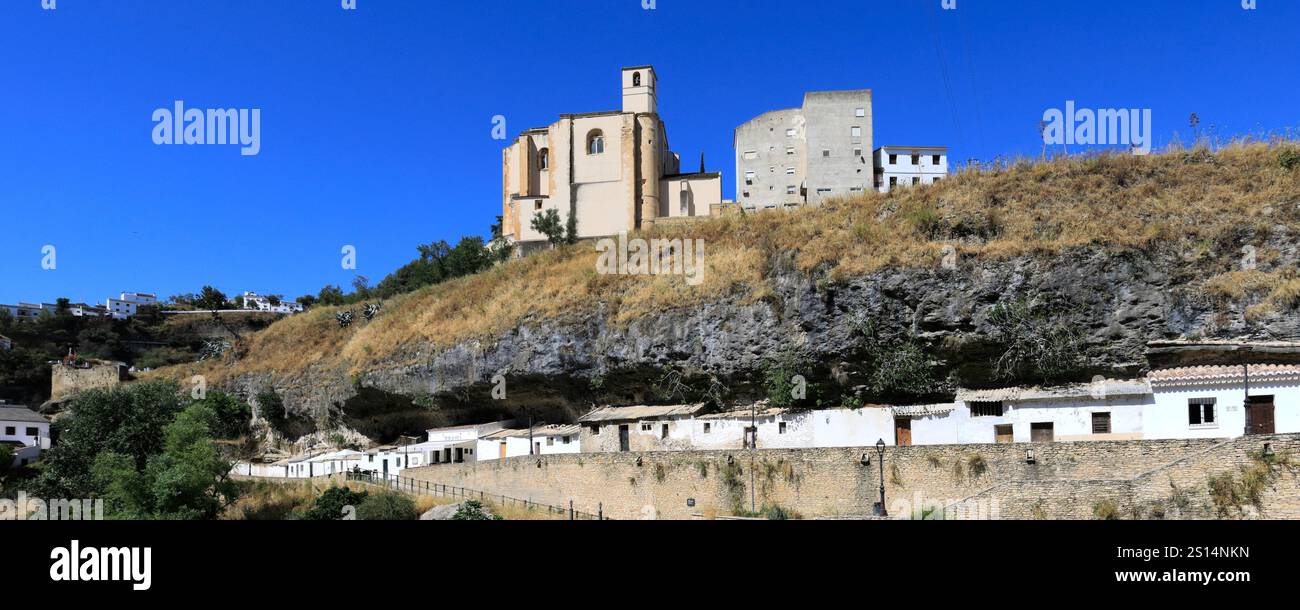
x=1199, y=204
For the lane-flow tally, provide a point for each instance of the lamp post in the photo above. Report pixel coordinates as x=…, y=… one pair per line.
x=880, y=450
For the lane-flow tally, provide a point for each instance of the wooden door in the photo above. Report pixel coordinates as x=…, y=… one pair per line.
x=903, y=432
x=624, y=443
x=1043, y=432
x=1259, y=415
x=1004, y=433
x=503, y=450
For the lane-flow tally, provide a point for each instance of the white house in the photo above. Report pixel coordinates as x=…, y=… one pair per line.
x=785, y=429
x=1211, y=401
x=257, y=302
x=546, y=440
x=909, y=165
x=1101, y=410
x=26, y=431
x=639, y=428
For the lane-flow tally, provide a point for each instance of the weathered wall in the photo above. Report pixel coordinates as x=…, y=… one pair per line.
x=66, y=381
x=1066, y=481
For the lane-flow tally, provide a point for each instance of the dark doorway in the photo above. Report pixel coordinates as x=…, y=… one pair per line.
x=1042, y=432
x=624, y=443
x=1004, y=433
x=1259, y=415
x=903, y=432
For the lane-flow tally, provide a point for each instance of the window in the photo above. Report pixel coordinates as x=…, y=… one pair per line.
x=596, y=143
x=664, y=433
x=789, y=190
x=636, y=79
x=10, y=431
x=790, y=133
x=916, y=159
x=1101, y=423
x=789, y=150
x=780, y=429
x=566, y=440
x=789, y=171
x=857, y=132
x=708, y=428
x=916, y=180
x=934, y=159
x=594, y=429
x=860, y=112
x=745, y=194
x=986, y=409
x=751, y=155
x=543, y=159
x=937, y=179
x=749, y=178
x=32, y=431
x=537, y=205
x=550, y=440
x=893, y=181
x=685, y=203
x=1200, y=412
x=826, y=153
x=857, y=152
x=893, y=159
x=645, y=427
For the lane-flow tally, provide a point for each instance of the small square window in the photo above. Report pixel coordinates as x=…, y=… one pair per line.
x=857, y=132
x=893, y=159
x=594, y=429
x=790, y=190
x=789, y=150
x=790, y=133
x=32, y=432
x=789, y=171
x=1101, y=423
x=934, y=159
x=780, y=429
x=916, y=159
x=1200, y=412
x=10, y=431
x=826, y=153
x=537, y=206
x=860, y=112
x=708, y=427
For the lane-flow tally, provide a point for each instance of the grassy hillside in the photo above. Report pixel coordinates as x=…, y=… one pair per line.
x=1196, y=206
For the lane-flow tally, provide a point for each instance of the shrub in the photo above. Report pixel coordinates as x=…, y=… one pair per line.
x=329, y=506
x=1289, y=157
x=388, y=506
x=472, y=510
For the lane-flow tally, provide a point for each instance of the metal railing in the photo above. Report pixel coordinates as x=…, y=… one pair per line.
x=417, y=486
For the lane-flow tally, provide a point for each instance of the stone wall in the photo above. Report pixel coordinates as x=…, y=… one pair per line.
x=1065, y=480
x=66, y=381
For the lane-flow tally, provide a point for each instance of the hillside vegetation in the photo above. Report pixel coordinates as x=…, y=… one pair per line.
x=1196, y=206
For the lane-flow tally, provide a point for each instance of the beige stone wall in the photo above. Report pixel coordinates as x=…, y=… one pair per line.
x=1066, y=481
x=66, y=382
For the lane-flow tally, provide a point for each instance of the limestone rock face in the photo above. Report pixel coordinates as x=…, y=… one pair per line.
x=557, y=369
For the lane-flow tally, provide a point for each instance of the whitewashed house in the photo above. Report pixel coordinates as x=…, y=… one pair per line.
x=1102, y=410
x=778, y=428
x=1211, y=401
x=24, y=430
x=639, y=428
x=546, y=440
x=897, y=166
x=456, y=444
x=257, y=302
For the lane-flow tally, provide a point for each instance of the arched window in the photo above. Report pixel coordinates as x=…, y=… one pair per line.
x=544, y=159
x=636, y=79
x=595, y=142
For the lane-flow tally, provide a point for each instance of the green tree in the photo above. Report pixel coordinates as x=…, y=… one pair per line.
x=6, y=458
x=127, y=420
x=548, y=224
x=210, y=298
x=329, y=506
x=388, y=506
x=231, y=416
x=472, y=510
x=188, y=480
x=331, y=295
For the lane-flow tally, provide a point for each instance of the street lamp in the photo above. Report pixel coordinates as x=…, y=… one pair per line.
x=880, y=450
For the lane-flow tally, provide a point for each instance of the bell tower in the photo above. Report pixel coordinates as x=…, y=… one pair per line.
x=640, y=93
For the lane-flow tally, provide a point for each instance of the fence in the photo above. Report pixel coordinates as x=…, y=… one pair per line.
x=415, y=486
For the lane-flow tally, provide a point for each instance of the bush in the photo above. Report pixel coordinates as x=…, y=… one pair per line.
x=472, y=510
x=388, y=506
x=1289, y=157
x=329, y=505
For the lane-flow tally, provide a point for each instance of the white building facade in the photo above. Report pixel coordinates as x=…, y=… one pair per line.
x=26, y=431
x=1212, y=401
x=897, y=166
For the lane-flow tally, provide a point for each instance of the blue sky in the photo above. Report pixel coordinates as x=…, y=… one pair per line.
x=376, y=123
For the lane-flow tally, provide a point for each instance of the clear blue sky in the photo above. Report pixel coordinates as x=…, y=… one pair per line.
x=376, y=124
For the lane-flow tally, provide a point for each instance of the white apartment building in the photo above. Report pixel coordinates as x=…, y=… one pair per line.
x=791, y=157
x=909, y=166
